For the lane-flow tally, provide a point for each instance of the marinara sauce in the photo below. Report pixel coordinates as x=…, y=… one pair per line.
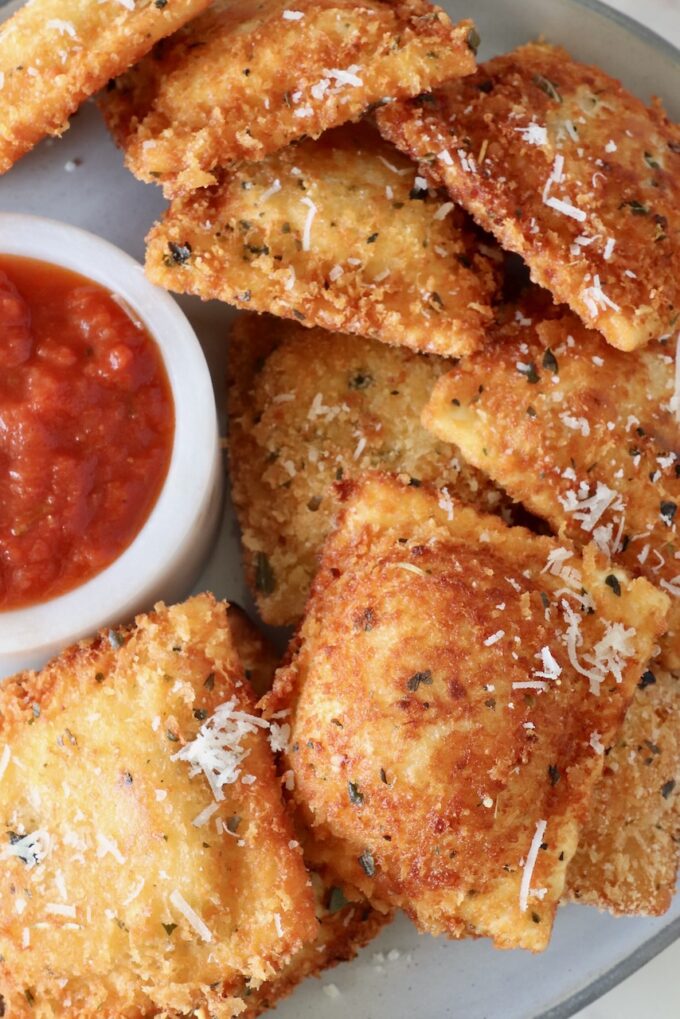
x=86, y=429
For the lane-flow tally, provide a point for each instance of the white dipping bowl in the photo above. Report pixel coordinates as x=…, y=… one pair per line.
x=166, y=557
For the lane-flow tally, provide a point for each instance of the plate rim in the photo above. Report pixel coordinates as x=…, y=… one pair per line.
x=631, y=24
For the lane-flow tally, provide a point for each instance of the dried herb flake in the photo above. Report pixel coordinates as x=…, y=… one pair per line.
x=367, y=863
x=355, y=796
x=419, y=677
x=265, y=581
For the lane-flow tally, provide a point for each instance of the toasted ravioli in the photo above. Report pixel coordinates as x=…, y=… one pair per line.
x=56, y=53
x=258, y=657
x=249, y=77
x=307, y=410
x=584, y=435
x=344, y=928
x=451, y=700
x=627, y=859
x=134, y=880
x=341, y=232
x=569, y=170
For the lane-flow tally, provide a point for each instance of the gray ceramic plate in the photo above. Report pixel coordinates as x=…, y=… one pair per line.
x=432, y=979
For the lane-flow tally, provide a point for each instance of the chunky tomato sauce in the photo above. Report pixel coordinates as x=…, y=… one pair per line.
x=86, y=430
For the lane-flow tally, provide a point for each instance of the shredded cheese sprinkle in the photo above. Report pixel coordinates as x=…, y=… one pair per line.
x=216, y=750
x=59, y=909
x=205, y=815
x=190, y=915
x=532, y=856
x=4, y=760
x=494, y=638
x=306, y=233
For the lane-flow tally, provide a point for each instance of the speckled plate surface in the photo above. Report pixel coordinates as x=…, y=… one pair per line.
x=431, y=979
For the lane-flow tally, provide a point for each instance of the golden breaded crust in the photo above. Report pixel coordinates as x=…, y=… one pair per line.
x=341, y=233
x=569, y=170
x=582, y=434
x=344, y=928
x=309, y=409
x=56, y=53
x=246, y=78
x=627, y=860
x=95, y=918
x=432, y=777
x=258, y=657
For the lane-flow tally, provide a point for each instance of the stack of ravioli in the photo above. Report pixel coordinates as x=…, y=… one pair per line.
x=454, y=406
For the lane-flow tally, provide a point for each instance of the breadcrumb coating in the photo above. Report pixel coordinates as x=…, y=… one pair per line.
x=341, y=233
x=307, y=411
x=128, y=885
x=248, y=78
x=452, y=698
x=570, y=171
x=627, y=859
x=584, y=435
x=56, y=53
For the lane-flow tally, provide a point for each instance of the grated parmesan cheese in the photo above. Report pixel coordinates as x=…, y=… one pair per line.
x=576, y=424
x=292, y=15
x=595, y=299
x=205, y=815
x=530, y=863
x=4, y=760
x=551, y=668
x=566, y=208
x=135, y=892
x=494, y=638
x=62, y=27
x=190, y=915
x=609, y=249
x=446, y=502
x=306, y=233
x=274, y=188
x=609, y=655
x=443, y=210
x=279, y=736
x=596, y=743
x=589, y=508
x=106, y=845
x=216, y=750
x=59, y=909
x=533, y=134
x=347, y=77
x=32, y=849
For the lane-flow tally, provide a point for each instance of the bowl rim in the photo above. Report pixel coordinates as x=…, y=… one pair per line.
x=184, y=503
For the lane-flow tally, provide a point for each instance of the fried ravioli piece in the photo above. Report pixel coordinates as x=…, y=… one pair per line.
x=450, y=704
x=627, y=859
x=308, y=409
x=569, y=170
x=340, y=233
x=344, y=927
x=584, y=435
x=56, y=53
x=126, y=886
x=247, y=78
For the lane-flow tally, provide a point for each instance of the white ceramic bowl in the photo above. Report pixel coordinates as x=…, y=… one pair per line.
x=164, y=560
